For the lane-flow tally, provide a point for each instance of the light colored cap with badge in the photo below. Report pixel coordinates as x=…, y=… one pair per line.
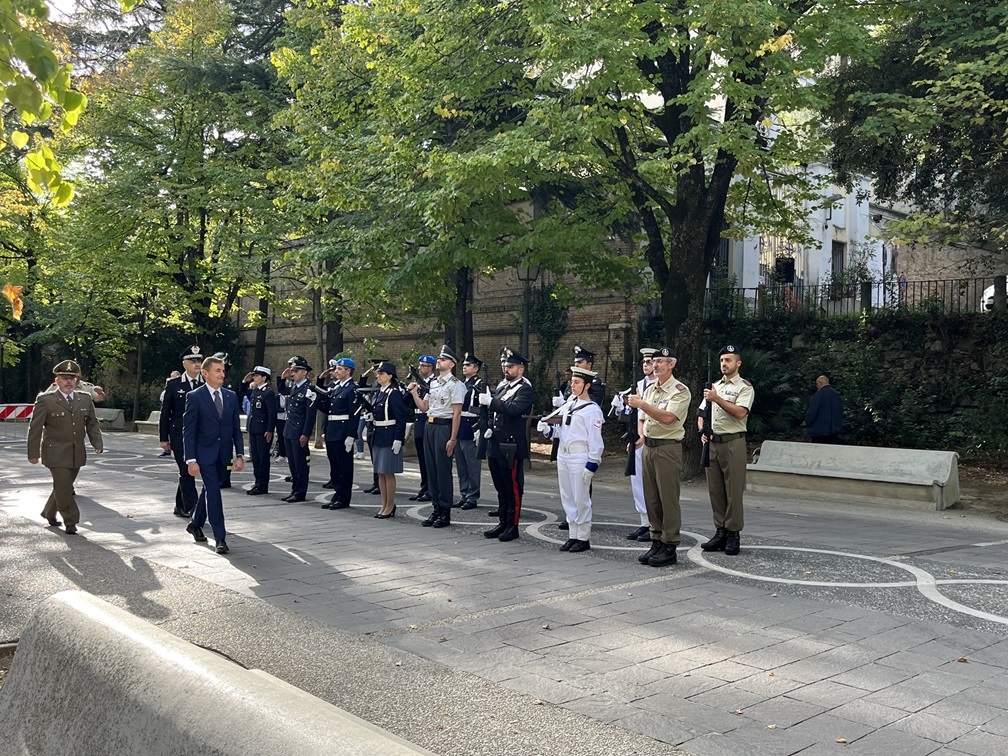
x=263, y=371
x=581, y=372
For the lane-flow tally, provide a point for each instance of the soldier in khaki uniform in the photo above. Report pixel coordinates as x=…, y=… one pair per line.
x=56, y=433
x=662, y=411
x=732, y=397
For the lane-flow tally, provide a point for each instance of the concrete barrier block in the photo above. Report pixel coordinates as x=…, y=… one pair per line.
x=89, y=678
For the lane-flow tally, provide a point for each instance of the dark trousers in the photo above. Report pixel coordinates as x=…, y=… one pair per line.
x=281, y=442
x=509, y=480
x=259, y=450
x=299, y=459
x=185, y=493
x=340, y=469
x=209, y=505
x=440, y=485
x=421, y=455
x=469, y=468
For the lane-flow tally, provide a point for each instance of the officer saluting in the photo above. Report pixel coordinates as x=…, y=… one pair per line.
x=262, y=420
x=170, y=426
x=302, y=401
x=340, y=429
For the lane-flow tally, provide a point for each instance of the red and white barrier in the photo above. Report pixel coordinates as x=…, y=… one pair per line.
x=16, y=411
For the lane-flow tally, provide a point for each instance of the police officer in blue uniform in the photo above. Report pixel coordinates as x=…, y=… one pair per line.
x=261, y=425
x=302, y=403
x=170, y=427
x=338, y=404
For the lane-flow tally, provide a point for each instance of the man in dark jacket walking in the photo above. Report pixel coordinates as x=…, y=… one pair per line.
x=824, y=418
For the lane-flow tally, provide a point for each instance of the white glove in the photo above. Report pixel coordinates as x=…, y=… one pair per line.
x=368, y=417
x=396, y=446
x=617, y=404
x=542, y=426
x=348, y=444
x=487, y=433
x=586, y=476
x=558, y=401
x=485, y=398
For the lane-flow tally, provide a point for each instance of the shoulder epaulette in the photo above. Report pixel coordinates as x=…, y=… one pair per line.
x=746, y=382
x=680, y=386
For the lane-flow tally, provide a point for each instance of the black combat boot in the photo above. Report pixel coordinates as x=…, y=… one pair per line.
x=717, y=541
x=510, y=533
x=665, y=557
x=655, y=548
x=495, y=531
x=444, y=517
x=732, y=543
x=432, y=518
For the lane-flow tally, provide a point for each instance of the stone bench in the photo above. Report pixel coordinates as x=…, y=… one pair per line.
x=866, y=474
x=111, y=419
x=150, y=426
x=89, y=678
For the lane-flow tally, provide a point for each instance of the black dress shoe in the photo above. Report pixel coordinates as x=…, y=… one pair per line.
x=494, y=532
x=415, y=496
x=288, y=478
x=717, y=541
x=645, y=537
x=665, y=557
x=644, y=558
x=423, y=497
x=567, y=545
x=179, y=512
x=370, y=489
x=286, y=498
x=635, y=536
x=295, y=499
x=468, y=505
x=197, y=533
x=256, y=492
x=327, y=484
x=376, y=491
x=493, y=513
x=732, y=545
x=325, y=505
x=580, y=546
x=510, y=533
x=563, y=526
x=71, y=529
x=221, y=548
x=53, y=522
x=339, y=505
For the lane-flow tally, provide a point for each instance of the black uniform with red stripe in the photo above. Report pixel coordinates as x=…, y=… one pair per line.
x=509, y=445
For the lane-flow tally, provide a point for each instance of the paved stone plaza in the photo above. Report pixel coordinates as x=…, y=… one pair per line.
x=838, y=629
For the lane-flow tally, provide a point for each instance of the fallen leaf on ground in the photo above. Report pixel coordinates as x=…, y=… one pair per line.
x=547, y=627
x=771, y=727
x=843, y=741
x=963, y=659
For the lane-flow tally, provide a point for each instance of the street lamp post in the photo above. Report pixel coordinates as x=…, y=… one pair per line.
x=527, y=273
x=3, y=340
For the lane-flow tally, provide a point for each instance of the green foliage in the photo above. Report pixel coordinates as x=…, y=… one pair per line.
x=925, y=111
x=909, y=379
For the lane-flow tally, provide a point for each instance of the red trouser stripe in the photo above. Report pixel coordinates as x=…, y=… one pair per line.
x=517, y=493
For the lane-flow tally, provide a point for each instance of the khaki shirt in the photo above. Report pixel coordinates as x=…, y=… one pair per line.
x=670, y=396
x=736, y=391
x=57, y=430
x=442, y=394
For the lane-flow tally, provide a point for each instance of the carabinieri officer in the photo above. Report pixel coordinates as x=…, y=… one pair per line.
x=302, y=402
x=339, y=404
x=261, y=426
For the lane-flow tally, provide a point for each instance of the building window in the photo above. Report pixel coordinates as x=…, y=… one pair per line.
x=839, y=257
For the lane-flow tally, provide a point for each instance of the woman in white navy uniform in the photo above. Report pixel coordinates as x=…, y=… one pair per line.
x=578, y=457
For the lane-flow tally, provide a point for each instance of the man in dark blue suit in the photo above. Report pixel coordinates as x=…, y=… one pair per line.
x=210, y=430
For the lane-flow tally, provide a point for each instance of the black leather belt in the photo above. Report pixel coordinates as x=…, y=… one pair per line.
x=439, y=420
x=660, y=441
x=726, y=437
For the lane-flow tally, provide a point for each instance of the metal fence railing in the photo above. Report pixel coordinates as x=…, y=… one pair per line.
x=952, y=296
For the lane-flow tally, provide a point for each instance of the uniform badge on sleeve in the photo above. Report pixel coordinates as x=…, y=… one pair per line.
x=310, y=395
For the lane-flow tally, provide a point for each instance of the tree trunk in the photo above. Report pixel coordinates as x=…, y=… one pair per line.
x=458, y=332
x=138, y=381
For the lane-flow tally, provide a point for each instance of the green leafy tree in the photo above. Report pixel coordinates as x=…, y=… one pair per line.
x=926, y=114
x=682, y=122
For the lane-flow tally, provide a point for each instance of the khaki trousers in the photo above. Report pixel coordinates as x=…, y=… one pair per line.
x=726, y=483
x=61, y=499
x=661, y=466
